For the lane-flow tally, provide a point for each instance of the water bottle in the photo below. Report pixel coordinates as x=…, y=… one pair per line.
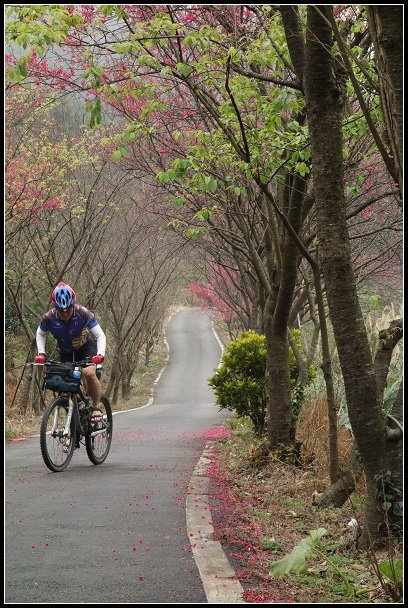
x=76, y=373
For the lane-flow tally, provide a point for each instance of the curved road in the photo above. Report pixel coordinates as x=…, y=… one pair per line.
x=116, y=533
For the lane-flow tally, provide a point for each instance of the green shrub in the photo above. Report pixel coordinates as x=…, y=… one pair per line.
x=240, y=384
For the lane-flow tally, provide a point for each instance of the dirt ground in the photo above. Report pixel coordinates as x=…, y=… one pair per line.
x=263, y=509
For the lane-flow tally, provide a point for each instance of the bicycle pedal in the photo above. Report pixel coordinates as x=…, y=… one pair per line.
x=66, y=445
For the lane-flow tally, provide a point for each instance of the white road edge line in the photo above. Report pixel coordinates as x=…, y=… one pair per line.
x=154, y=384
x=217, y=337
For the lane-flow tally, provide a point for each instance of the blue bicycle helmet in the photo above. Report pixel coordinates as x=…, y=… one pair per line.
x=63, y=296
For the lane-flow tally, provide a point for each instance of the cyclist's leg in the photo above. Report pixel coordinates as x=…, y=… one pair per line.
x=89, y=374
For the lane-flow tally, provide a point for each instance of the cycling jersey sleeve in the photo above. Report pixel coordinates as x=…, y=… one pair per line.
x=40, y=339
x=97, y=332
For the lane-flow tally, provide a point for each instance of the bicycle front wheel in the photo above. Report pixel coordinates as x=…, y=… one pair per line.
x=56, y=449
x=98, y=442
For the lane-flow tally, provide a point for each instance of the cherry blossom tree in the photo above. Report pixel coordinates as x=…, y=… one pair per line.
x=220, y=104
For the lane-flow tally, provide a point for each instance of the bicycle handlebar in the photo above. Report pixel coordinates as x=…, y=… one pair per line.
x=83, y=363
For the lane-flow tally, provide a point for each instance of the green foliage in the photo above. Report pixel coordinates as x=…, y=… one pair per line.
x=298, y=395
x=271, y=545
x=38, y=27
x=393, y=569
x=194, y=233
x=239, y=383
x=94, y=107
x=122, y=151
x=296, y=561
x=374, y=302
x=183, y=68
x=389, y=494
x=12, y=324
x=298, y=390
x=389, y=396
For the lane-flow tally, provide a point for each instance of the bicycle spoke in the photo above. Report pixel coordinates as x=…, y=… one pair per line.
x=56, y=446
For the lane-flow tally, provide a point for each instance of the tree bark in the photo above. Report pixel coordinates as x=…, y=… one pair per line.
x=388, y=339
x=25, y=399
x=324, y=112
x=280, y=420
x=339, y=492
x=345, y=485
x=385, y=22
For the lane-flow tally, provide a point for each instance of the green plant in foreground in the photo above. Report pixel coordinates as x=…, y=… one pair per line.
x=296, y=563
x=392, y=569
x=390, y=574
x=271, y=545
x=389, y=494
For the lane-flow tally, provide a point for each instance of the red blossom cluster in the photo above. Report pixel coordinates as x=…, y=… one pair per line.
x=220, y=291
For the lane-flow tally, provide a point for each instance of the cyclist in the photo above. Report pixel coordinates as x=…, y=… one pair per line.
x=75, y=329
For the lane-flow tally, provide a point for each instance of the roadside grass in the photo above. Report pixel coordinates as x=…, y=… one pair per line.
x=17, y=426
x=143, y=382
x=261, y=511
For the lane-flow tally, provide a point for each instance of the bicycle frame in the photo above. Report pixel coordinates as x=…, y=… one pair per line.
x=73, y=410
x=67, y=419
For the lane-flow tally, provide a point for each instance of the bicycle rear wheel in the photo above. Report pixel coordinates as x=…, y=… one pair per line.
x=98, y=446
x=56, y=449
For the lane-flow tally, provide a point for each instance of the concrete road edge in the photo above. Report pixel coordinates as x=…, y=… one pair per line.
x=218, y=577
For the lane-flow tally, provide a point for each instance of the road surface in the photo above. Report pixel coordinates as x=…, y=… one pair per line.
x=116, y=533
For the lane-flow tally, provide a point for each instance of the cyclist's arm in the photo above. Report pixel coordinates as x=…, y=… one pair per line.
x=98, y=333
x=40, y=339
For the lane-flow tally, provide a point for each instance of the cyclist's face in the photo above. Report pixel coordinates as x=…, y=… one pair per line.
x=65, y=315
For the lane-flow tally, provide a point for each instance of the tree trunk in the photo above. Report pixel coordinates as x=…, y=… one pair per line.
x=113, y=376
x=38, y=403
x=388, y=338
x=115, y=395
x=324, y=116
x=281, y=423
x=296, y=45
x=328, y=379
x=385, y=23
x=126, y=388
x=28, y=373
x=25, y=400
x=279, y=410
x=345, y=486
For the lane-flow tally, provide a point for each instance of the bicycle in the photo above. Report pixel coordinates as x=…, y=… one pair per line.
x=67, y=419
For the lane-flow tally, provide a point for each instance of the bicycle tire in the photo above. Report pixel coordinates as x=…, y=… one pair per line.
x=98, y=447
x=55, y=450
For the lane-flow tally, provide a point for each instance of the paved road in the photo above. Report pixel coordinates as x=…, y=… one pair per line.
x=116, y=533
